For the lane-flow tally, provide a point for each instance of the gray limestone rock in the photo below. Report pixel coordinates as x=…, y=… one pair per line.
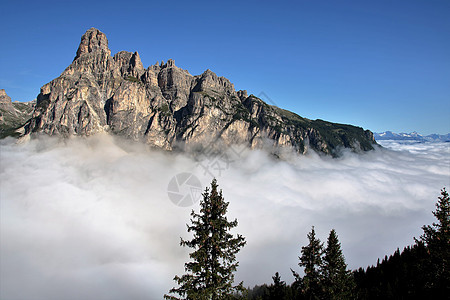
x=13, y=115
x=167, y=107
x=93, y=40
x=129, y=64
x=4, y=98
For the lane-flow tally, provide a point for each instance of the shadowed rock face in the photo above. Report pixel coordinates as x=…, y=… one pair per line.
x=165, y=106
x=13, y=115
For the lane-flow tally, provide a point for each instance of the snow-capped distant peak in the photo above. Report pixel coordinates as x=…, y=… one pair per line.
x=414, y=136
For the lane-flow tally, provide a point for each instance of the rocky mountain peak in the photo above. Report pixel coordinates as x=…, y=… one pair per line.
x=208, y=81
x=170, y=63
x=167, y=107
x=93, y=40
x=242, y=94
x=4, y=98
x=130, y=64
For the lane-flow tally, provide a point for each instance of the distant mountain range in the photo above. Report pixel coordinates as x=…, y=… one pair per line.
x=413, y=136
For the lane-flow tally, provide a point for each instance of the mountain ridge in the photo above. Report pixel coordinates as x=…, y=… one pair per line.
x=413, y=136
x=167, y=107
x=13, y=114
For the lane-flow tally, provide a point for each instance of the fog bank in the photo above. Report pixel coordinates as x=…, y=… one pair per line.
x=91, y=218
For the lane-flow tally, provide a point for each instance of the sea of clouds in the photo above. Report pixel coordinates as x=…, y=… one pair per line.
x=90, y=218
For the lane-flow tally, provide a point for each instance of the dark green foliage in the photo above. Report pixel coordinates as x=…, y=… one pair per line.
x=311, y=261
x=436, y=238
x=401, y=276
x=242, y=113
x=337, y=280
x=320, y=132
x=342, y=135
x=210, y=271
x=326, y=275
x=258, y=292
x=277, y=291
x=212, y=99
x=333, y=134
x=164, y=110
x=418, y=272
x=291, y=118
x=132, y=79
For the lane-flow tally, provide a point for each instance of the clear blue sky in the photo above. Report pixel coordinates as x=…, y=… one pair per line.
x=382, y=65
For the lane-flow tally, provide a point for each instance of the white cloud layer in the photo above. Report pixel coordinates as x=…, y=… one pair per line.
x=91, y=218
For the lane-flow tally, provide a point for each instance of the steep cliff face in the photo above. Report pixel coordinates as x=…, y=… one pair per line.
x=165, y=106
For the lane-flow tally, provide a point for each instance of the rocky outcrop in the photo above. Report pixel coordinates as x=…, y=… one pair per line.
x=4, y=98
x=167, y=107
x=92, y=41
x=13, y=115
x=129, y=64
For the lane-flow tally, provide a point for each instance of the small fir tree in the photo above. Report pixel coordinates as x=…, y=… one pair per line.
x=338, y=281
x=277, y=291
x=209, y=274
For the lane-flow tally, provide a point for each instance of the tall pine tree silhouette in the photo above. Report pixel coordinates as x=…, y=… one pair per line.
x=338, y=281
x=209, y=274
x=436, y=238
x=311, y=260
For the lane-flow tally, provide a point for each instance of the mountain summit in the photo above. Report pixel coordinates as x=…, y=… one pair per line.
x=167, y=107
x=93, y=40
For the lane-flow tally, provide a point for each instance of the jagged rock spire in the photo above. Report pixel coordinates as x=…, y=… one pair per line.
x=170, y=63
x=93, y=40
x=130, y=64
x=4, y=98
x=242, y=94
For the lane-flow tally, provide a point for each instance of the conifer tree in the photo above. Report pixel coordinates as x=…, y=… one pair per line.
x=311, y=260
x=277, y=291
x=436, y=238
x=420, y=271
x=338, y=281
x=209, y=274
